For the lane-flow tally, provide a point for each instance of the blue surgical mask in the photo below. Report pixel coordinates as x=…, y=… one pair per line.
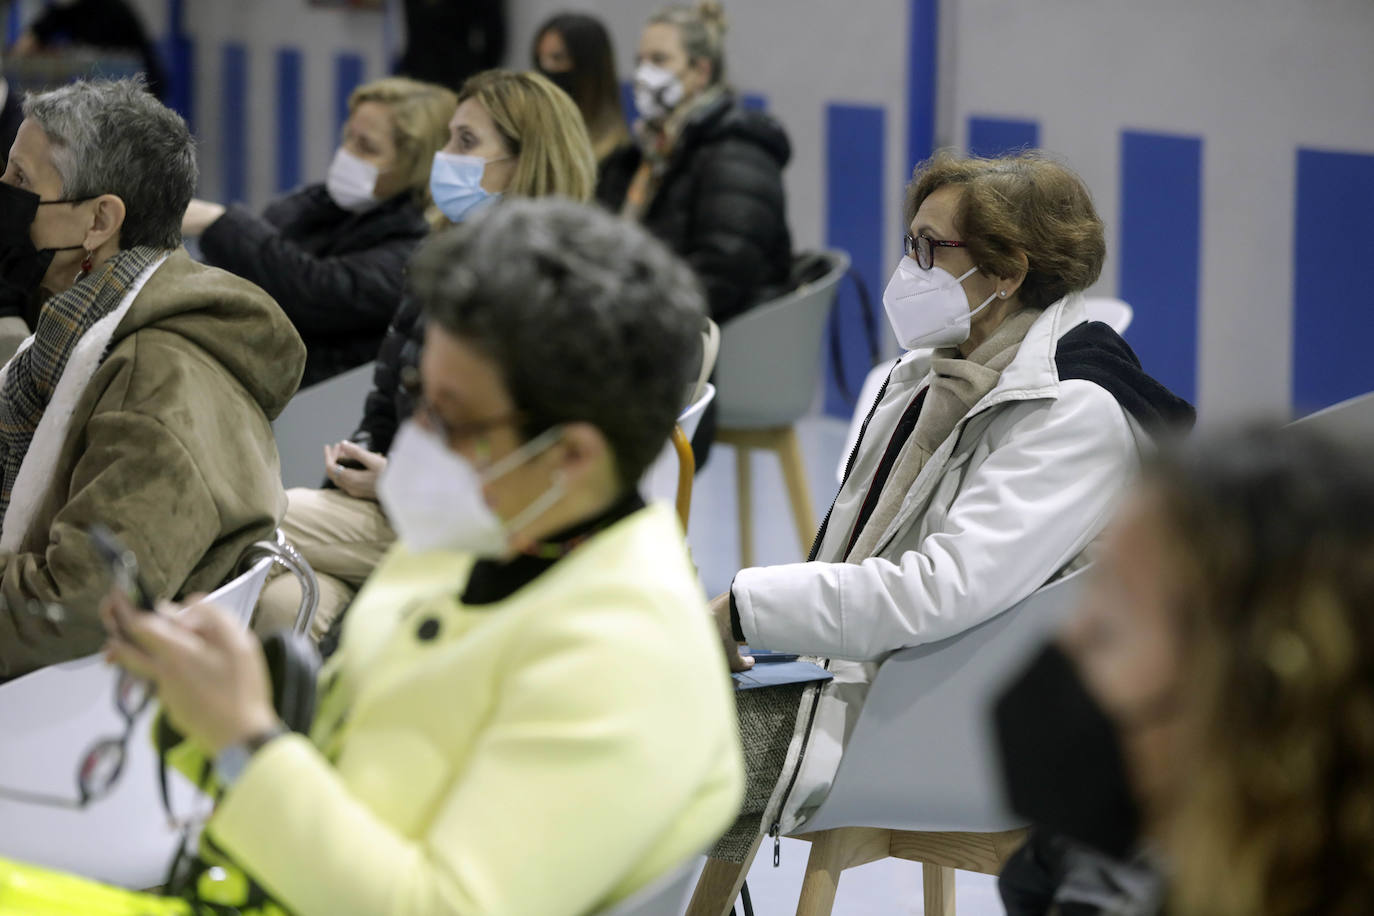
x=455, y=183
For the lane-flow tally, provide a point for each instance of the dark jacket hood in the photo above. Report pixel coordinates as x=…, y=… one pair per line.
x=1094, y=352
x=727, y=119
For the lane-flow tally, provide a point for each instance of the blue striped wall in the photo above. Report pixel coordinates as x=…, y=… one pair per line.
x=1161, y=245
x=1333, y=243
x=350, y=72
x=922, y=66
x=999, y=136
x=234, y=122
x=290, y=118
x=855, y=198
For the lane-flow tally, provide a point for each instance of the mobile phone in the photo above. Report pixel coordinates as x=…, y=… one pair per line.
x=123, y=567
x=352, y=464
x=763, y=657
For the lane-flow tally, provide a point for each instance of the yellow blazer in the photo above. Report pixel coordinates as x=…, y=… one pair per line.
x=549, y=754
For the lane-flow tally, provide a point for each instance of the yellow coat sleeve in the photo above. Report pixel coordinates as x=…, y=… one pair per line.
x=578, y=772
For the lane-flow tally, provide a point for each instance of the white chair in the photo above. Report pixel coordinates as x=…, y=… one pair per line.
x=51, y=717
x=919, y=778
x=318, y=415
x=663, y=481
x=1112, y=312
x=1353, y=418
x=767, y=373
x=665, y=897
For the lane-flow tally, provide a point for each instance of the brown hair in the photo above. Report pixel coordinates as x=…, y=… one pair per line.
x=420, y=113
x=701, y=28
x=1020, y=205
x=540, y=124
x=595, y=88
x=1275, y=543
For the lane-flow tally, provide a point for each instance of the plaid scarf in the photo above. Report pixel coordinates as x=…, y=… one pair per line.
x=35, y=371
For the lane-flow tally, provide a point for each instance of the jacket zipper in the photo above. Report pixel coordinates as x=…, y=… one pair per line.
x=775, y=828
x=848, y=467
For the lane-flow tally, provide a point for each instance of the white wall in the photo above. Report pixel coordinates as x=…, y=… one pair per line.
x=1254, y=78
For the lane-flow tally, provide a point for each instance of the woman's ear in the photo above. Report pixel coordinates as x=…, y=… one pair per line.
x=108, y=219
x=581, y=451
x=1007, y=287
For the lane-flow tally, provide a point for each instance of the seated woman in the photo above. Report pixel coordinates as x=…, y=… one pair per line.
x=333, y=255
x=981, y=473
x=528, y=712
x=1226, y=646
x=143, y=399
x=574, y=51
x=704, y=173
x=512, y=135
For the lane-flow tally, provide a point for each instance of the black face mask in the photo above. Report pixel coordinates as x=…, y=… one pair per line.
x=22, y=266
x=1061, y=757
x=563, y=79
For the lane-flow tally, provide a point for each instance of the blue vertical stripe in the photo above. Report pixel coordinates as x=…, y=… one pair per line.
x=1333, y=238
x=290, y=117
x=922, y=60
x=350, y=70
x=998, y=136
x=179, y=52
x=234, y=123
x=1161, y=244
x=754, y=101
x=14, y=23
x=627, y=101
x=855, y=171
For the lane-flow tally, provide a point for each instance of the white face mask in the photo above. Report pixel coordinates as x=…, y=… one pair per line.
x=657, y=92
x=352, y=183
x=928, y=308
x=433, y=497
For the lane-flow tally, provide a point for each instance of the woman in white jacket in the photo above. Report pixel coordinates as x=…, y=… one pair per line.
x=984, y=469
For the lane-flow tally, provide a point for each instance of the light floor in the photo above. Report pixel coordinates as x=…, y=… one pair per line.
x=886, y=887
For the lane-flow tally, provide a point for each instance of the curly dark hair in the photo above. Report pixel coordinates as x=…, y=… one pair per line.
x=1274, y=531
x=587, y=316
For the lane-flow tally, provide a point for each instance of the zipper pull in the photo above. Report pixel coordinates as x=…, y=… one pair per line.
x=777, y=843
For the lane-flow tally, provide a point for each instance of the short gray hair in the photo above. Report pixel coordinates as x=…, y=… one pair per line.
x=114, y=137
x=588, y=317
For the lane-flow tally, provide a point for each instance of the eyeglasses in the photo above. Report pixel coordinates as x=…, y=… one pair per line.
x=453, y=434
x=102, y=765
x=922, y=248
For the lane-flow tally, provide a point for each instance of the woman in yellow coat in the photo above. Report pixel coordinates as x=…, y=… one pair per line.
x=528, y=712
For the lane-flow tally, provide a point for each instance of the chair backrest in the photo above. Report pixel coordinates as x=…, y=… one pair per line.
x=665, y=897
x=1111, y=312
x=660, y=482
x=1353, y=418
x=770, y=357
x=315, y=417
x=49, y=719
x=921, y=756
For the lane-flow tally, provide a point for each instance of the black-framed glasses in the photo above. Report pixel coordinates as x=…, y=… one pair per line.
x=101, y=766
x=453, y=434
x=921, y=248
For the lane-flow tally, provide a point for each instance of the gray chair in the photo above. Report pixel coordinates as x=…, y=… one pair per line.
x=318, y=415
x=1112, y=312
x=919, y=779
x=767, y=374
x=1353, y=418
x=50, y=718
x=665, y=897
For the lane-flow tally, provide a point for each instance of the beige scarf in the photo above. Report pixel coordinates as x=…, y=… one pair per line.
x=958, y=384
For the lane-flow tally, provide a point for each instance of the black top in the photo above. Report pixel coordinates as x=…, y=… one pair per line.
x=496, y=580
x=449, y=40
x=110, y=24
x=338, y=275
x=388, y=404
x=11, y=116
x=720, y=203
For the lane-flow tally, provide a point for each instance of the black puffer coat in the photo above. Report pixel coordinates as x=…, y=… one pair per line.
x=720, y=204
x=388, y=403
x=339, y=276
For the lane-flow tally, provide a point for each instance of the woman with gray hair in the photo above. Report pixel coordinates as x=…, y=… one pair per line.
x=143, y=397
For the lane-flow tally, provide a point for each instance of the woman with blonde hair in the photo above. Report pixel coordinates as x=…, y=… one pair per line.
x=1227, y=648
x=333, y=255
x=513, y=135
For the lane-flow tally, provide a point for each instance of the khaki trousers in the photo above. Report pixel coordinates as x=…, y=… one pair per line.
x=342, y=538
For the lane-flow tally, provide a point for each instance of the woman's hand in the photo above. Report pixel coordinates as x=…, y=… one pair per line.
x=210, y=673
x=354, y=469
x=199, y=216
x=720, y=610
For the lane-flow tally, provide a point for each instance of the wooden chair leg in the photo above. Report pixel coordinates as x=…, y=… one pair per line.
x=719, y=885
x=794, y=473
x=744, y=491
x=832, y=851
x=937, y=882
